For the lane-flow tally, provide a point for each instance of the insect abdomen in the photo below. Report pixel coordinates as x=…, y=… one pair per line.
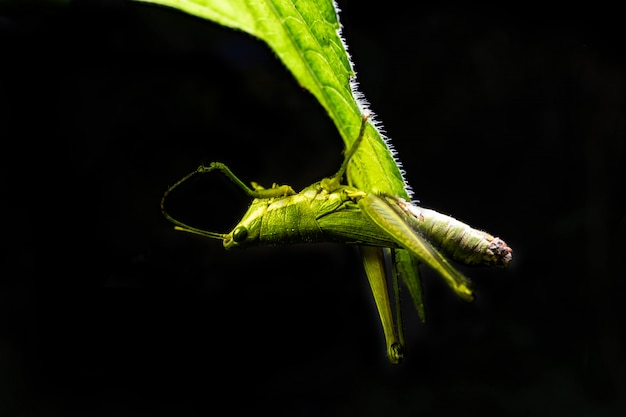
x=462, y=242
x=458, y=240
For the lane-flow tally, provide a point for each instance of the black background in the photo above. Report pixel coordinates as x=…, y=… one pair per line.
x=508, y=117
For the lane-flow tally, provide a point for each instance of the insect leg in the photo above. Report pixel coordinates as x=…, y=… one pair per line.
x=277, y=191
x=354, y=147
x=408, y=268
x=374, y=263
x=390, y=222
x=332, y=183
x=396, y=293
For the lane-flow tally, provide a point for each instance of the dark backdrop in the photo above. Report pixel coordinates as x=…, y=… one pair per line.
x=510, y=118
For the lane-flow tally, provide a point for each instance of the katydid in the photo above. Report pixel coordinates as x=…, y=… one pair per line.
x=334, y=212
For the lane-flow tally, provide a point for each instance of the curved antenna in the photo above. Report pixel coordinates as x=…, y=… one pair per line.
x=180, y=225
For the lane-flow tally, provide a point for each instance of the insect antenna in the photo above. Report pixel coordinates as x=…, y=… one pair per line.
x=180, y=225
x=195, y=231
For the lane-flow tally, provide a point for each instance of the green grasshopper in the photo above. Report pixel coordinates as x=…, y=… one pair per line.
x=334, y=212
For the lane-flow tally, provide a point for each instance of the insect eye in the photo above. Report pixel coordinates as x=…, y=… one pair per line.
x=240, y=233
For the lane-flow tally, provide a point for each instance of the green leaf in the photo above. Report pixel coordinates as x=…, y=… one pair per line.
x=305, y=35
